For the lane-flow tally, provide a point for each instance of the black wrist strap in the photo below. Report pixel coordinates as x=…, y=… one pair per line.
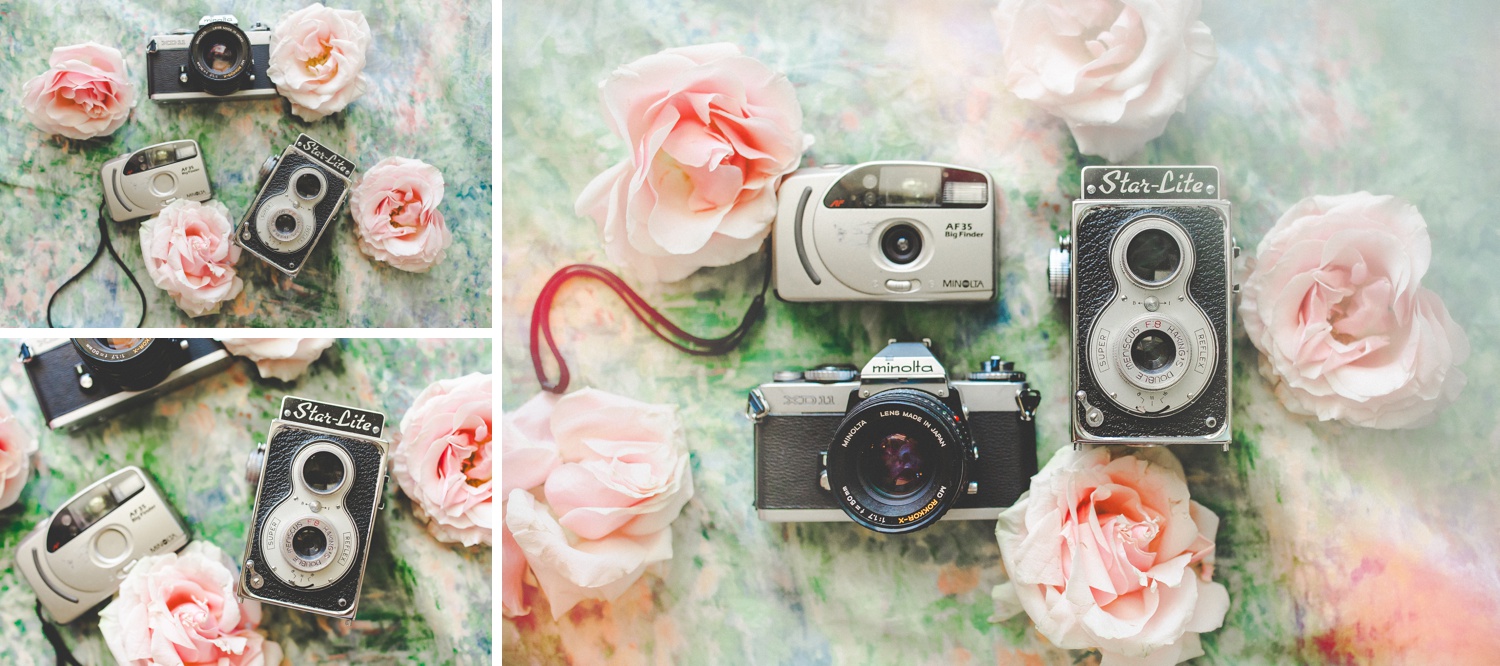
x=104, y=244
x=64, y=655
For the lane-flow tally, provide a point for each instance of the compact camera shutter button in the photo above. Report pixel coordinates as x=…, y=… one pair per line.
x=830, y=373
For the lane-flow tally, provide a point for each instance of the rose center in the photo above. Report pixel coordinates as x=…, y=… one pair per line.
x=318, y=60
x=469, y=465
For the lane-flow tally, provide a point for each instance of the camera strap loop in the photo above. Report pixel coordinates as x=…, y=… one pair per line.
x=59, y=648
x=104, y=244
x=672, y=334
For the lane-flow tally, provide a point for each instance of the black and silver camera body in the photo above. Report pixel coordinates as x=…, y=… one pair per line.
x=302, y=191
x=76, y=558
x=144, y=182
x=80, y=381
x=894, y=446
x=1148, y=271
x=885, y=231
x=217, y=61
x=319, y=480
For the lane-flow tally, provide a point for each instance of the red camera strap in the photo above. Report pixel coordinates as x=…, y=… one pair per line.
x=658, y=324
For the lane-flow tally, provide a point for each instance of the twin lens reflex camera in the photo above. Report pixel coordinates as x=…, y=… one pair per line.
x=302, y=191
x=217, y=61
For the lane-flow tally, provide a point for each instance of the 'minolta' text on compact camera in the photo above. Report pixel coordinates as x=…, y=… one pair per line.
x=217, y=61
x=885, y=231
x=1148, y=272
x=894, y=446
x=302, y=191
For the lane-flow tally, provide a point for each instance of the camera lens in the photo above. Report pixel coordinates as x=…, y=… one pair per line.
x=309, y=543
x=1153, y=256
x=901, y=244
x=323, y=472
x=1152, y=351
x=219, y=58
x=284, y=227
x=131, y=364
x=309, y=186
x=897, y=460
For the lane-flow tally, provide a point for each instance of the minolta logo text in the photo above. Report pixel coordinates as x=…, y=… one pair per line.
x=903, y=367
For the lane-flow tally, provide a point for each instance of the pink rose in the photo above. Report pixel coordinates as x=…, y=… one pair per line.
x=1114, y=70
x=396, y=216
x=711, y=132
x=318, y=59
x=86, y=94
x=190, y=255
x=1345, y=329
x=16, y=448
x=442, y=459
x=180, y=608
x=528, y=455
x=1107, y=550
x=624, y=478
x=279, y=358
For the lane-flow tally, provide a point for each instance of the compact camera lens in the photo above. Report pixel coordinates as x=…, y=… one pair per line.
x=896, y=466
x=132, y=364
x=1153, y=256
x=219, y=58
x=1152, y=351
x=309, y=543
x=308, y=186
x=323, y=472
x=901, y=244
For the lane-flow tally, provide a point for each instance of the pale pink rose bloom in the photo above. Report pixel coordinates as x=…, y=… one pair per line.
x=443, y=461
x=1345, y=329
x=711, y=132
x=17, y=445
x=190, y=255
x=279, y=358
x=624, y=478
x=1106, y=550
x=1114, y=70
x=528, y=455
x=179, y=608
x=318, y=59
x=396, y=216
x=85, y=94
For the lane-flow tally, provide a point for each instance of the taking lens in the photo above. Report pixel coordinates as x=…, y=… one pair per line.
x=131, y=364
x=901, y=244
x=1153, y=351
x=284, y=227
x=323, y=472
x=1153, y=256
x=219, y=58
x=309, y=543
x=897, y=465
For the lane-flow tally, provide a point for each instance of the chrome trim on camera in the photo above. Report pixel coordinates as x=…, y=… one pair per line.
x=838, y=515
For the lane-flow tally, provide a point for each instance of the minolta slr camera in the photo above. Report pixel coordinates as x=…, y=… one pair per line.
x=217, y=61
x=82, y=380
x=1148, y=271
x=885, y=231
x=302, y=191
x=75, y=559
x=144, y=182
x=894, y=446
x=319, y=479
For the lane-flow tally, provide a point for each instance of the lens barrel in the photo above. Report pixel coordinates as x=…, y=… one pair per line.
x=219, y=58
x=133, y=364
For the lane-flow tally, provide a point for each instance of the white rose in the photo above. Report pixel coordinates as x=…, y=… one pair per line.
x=279, y=358
x=318, y=59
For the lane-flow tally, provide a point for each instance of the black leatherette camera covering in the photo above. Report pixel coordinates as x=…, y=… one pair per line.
x=56, y=382
x=163, y=67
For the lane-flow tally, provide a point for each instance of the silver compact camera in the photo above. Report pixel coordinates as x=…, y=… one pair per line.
x=319, y=479
x=894, y=446
x=1148, y=271
x=144, y=182
x=885, y=231
x=302, y=191
x=76, y=558
x=219, y=60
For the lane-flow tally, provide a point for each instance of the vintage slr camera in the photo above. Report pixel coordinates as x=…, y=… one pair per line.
x=894, y=446
x=75, y=559
x=885, y=231
x=302, y=191
x=83, y=380
x=217, y=61
x=1148, y=271
x=144, y=182
x=318, y=479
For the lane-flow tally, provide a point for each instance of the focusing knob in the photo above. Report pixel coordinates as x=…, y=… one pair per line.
x=268, y=167
x=828, y=374
x=996, y=370
x=254, y=464
x=1060, y=268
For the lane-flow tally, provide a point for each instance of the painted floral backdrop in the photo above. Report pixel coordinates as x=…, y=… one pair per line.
x=1337, y=544
x=423, y=602
x=429, y=97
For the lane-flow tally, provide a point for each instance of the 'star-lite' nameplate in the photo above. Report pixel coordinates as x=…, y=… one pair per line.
x=1151, y=182
x=322, y=154
x=352, y=420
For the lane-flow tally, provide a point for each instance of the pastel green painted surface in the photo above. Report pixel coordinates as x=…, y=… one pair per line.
x=423, y=602
x=429, y=98
x=1337, y=544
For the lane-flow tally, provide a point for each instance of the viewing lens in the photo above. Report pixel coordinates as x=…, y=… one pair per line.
x=309, y=543
x=901, y=244
x=1152, y=351
x=308, y=186
x=896, y=465
x=1153, y=256
x=323, y=472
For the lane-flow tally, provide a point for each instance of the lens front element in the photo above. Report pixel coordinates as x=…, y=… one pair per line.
x=901, y=244
x=1153, y=257
x=1152, y=351
x=309, y=542
x=896, y=466
x=323, y=472
x=219, y=58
